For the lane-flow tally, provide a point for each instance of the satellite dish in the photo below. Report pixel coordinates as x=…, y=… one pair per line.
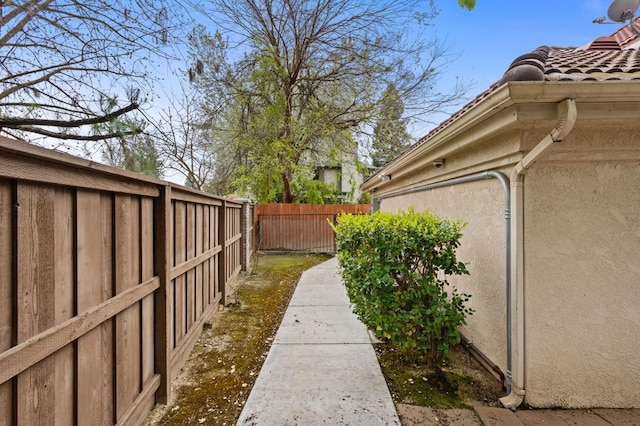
x=622, y=10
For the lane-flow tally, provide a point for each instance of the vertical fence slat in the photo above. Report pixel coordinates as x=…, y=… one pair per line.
x=147, y=272
x=163, y=307
x=206, y=266
x=35, y=233
x=222, y=256
x=198, y=269
x=215, y=233
x=6, y=292
x=190, y=275
x=64, y=258
x=180, y=318
x=127, y=322
x=94, y=237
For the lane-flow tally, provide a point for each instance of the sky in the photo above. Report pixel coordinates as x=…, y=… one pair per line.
x=485, y=40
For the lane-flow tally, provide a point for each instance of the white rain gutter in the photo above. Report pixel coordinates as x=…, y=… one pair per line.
x=567, y=115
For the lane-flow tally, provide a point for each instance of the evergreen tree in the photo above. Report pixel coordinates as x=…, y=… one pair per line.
x=390, y=132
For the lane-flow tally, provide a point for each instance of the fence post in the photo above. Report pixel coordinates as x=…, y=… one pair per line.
x=335, y=244
x=164, y=248
x=222, y=263
x=245, y=241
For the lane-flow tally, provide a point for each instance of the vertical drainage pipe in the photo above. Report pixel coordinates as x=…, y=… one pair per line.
x=566, y=118
x=488, y=174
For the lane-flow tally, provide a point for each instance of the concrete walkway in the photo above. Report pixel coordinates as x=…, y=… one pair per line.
x=321, y=368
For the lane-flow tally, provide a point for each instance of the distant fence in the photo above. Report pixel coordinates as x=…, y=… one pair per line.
x=106, y=279
x=299, y=227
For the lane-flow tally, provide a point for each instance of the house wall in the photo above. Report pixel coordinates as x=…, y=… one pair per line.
x=582, y=266
x=581, y=236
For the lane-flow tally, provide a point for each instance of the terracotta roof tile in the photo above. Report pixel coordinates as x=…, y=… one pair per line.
x=607, y=58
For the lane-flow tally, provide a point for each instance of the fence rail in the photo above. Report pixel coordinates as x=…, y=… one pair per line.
x=106, y=279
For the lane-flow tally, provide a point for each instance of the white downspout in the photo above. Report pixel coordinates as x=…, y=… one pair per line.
x=567, y=115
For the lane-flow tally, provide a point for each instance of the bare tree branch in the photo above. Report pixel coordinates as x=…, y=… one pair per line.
x=66, y=63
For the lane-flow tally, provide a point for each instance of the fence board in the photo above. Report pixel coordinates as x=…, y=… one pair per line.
x=163, y=300
x=190, y=274
x=147, y=272
x=198, y=269
x=206, y=244
x=127, y=323
x=35, y=225
x=6, y=292
x=64, y=304
x=95, y=348
x=180, y=319
x=215, y=286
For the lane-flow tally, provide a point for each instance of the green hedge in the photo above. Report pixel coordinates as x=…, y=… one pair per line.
x=395, y=269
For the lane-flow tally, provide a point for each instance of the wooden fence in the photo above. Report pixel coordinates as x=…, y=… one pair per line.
x=299, y=227
x=106, y=279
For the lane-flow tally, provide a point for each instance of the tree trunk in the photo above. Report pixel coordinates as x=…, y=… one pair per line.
x=287, y=196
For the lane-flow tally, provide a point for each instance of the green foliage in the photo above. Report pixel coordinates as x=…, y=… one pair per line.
x=469, y=4
x=315, y=192
x=395, y=268
x=364, y=198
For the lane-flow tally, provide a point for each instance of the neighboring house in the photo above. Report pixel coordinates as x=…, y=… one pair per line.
x=544, y=167
x=346, y=177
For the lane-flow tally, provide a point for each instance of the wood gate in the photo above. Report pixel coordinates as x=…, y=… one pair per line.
x=299, y=227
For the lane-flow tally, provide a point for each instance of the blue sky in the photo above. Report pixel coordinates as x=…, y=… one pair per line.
x=488, y=38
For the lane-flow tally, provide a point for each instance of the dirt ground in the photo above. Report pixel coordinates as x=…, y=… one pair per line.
x=216, y=380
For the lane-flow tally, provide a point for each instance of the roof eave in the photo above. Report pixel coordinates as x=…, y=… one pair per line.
x=502, y=98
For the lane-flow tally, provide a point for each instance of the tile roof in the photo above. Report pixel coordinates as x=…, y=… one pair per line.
x=606, y=58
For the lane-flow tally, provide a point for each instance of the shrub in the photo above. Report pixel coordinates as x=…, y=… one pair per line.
x=395, y=269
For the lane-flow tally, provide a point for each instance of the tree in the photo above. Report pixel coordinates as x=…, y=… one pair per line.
x=313, y=74
x=469, y=4
x=136, y=153
x=64, y=63
x=184, y=138
x=390, y=132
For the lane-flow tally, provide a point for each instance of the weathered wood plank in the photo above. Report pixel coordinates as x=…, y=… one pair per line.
x=35, y=245
x=198, y=268
x=64, y=302
x=222, y=257
x=6, y=293
x=127, y=323
x=190, y=264
x=17, y=359
x=206, y=265
x=163, y=342
x=20, y=160
x=94, y=266
x=180, y=254
x=30, y=169
x=188, y=195
x=216, y=233
x=147, y=271
x=142, y=405
x=181, y=353
x=190, y=275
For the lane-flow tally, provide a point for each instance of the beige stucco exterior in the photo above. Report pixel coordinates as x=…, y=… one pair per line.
x=576, y=301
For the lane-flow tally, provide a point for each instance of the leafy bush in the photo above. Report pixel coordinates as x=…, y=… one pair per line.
x=395, y=267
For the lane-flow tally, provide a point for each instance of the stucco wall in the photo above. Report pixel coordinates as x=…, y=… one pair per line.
x=481, y=205
x=582, y=280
